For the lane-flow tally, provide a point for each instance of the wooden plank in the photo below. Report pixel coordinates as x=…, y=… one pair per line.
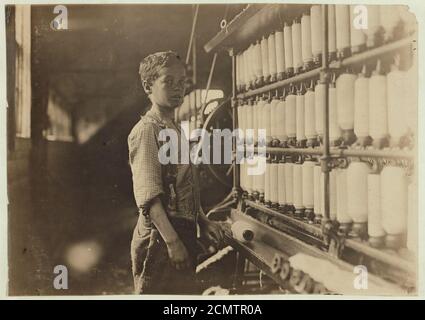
x=219, y=41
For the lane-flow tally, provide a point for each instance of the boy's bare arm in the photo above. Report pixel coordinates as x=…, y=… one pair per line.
x=176, y=250
x=214, y=231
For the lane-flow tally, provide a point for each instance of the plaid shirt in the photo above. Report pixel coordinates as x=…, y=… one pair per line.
x=175, y=184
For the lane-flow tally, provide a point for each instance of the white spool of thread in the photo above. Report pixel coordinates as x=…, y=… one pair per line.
x=249, y=179
x=342, y=16
x=265, y=58
x=255, y=121
x=317, y=171
x=373, y=24
x=253, y=63
x=332, y=195
x=289, y=183
x=247, y=110
x=243, y=231
x=319, y=94
x=267, y=121
x=264, y=120
x=298, y=187
x=291, y=116
x=390, y=18
x=341, y=193
x=246, y=62
x=394, y=204
x=397, y=124
x=316, y=31
x=357, y=36
x=249, y=125
x=378, y=110
x=411, y=96
x=412, y=218
x=258, y=61
x=361, y=107
x=334, y=129
x=345, y=100
x=255, y=178
x=267, y=184
x=322, y=192
x=274, y=184
x=281, y=184
x=280, y=53
x=300, y=131
x=357, y=200
x=375, y=230
x=261, y=178
x=244, y=117
x=331, y=30
x=238, y=71
x=250, y=65
x=280, y=123
x=240, y=117
x=287, y=38
x=259, y=116
x=296, y=45
x=308, y=185
x=306, y=49
x=272, y=56
x=274, y=126
x=310, y=113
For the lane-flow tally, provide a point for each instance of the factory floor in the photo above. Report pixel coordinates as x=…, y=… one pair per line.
x=69, y=210
x=90, y=235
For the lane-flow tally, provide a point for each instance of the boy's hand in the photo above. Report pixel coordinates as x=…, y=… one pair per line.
x=178, y=254
x=213, y=231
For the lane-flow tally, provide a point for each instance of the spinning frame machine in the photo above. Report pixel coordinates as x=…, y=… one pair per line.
x=339, y=188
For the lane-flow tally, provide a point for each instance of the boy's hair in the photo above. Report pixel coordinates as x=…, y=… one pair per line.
x=150, y=65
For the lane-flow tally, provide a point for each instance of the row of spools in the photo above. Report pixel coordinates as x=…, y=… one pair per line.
x=366, y=204
x=297, y=47
x=369, y=107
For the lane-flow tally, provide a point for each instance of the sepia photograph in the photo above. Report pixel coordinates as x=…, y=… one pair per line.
x=214, y=149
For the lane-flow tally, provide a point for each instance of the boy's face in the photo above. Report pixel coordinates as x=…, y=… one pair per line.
x=168, y=89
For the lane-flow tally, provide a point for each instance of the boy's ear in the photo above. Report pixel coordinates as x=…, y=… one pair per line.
x=147, y=86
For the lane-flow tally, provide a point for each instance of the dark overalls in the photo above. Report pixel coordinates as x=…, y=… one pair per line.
x=177, y=187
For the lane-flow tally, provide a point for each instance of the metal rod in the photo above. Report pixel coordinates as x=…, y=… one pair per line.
x=374, y=53
x=194, y=63
x=324, y=79
x=385, y=154
x=236, y=178
x=305, y=226
x=192, y=33
x=284, y=151
x=210, y=79
x=389, y=258
x=298, y=78
x=388, y=154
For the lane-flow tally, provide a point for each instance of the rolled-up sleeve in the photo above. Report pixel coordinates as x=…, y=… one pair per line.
x=145, y=166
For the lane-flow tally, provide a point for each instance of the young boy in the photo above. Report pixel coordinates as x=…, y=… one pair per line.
x=163, y=248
